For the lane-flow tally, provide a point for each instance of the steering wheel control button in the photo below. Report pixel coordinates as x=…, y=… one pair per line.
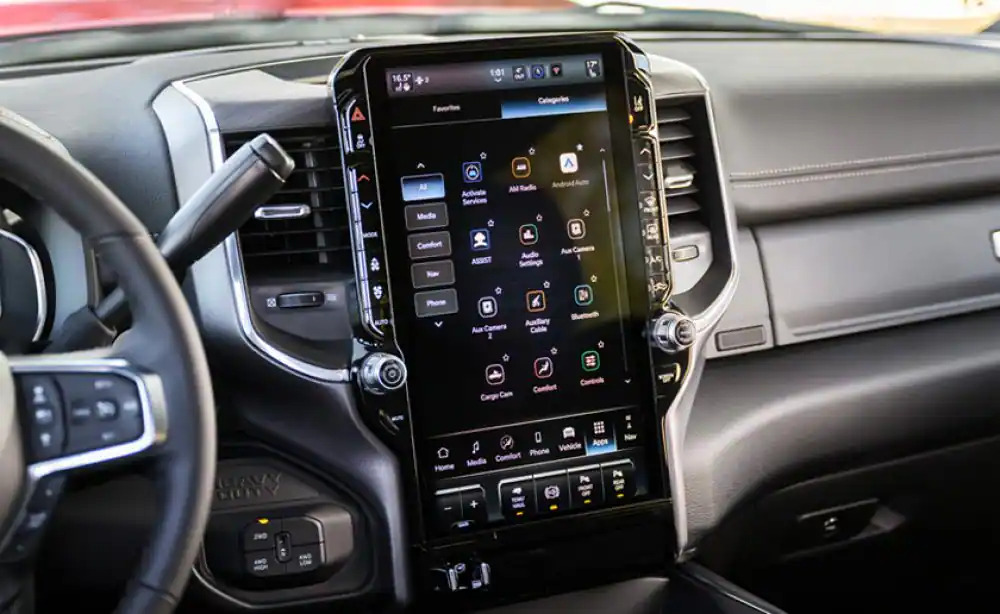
x=260, y=534
x=306, y=559
x=264, y=564
x=552, y=492
x=619, y=480
x=105, y=410
x=673, y=332
x=381, y=373
x=43, y=406
x=517, y=498
x=302, y=531
x=46, y=493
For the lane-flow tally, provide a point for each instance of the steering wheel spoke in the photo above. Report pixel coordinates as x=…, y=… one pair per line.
x=85, y=409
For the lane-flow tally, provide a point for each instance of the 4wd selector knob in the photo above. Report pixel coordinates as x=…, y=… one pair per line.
x=381, y=373
x=674, y=332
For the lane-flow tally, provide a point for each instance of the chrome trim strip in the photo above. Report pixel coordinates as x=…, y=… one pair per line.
x=282, y=212
x=234, y=259
x=679, y=413
x=154, y=416
x=41, y=296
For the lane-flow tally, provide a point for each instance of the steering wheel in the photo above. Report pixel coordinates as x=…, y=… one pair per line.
x=148, y=398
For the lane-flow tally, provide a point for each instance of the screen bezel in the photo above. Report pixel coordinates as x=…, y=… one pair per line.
x=617, y=67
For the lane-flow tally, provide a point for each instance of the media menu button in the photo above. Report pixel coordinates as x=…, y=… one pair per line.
x=425, y=217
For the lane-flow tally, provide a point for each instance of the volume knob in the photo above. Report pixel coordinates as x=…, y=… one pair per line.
x=674, y=332
x=381, y=373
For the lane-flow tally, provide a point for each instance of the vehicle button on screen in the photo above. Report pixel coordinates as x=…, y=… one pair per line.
x=436, y=303
x=586, y=488
x=551, y=492
x=431, y=274
x=517, y=498
x=619, y=480
x=429, y=245
x=425, y=217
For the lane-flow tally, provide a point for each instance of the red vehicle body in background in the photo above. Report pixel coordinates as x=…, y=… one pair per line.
x=26, y=17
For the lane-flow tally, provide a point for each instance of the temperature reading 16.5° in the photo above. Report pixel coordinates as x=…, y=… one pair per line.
x=401, y=81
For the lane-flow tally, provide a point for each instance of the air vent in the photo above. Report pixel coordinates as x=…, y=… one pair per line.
x=303, y=230
x=679, y=152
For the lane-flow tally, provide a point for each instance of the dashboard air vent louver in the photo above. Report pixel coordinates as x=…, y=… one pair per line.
x=679, y=152
x=303, y=230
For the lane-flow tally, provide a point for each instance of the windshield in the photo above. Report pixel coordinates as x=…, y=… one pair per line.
x=28, y=17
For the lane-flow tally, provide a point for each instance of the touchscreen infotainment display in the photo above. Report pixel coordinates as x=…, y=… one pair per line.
x=501, y=208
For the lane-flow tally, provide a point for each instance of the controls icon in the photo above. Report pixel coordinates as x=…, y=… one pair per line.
x=535, y=300
x=583, y=294
x=480, y=239
x=568, y=163
x=520, y=167
x=538, y=71
x=520, y=73
x=543, y=369
x=506, y=442
x=528, y=234
x=495, y=375
x=555, y=69
x=590, y=360
x=472, y=172
x=487, y=307
x=576, y=228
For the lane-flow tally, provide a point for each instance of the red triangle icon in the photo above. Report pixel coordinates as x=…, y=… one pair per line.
x=358, y=115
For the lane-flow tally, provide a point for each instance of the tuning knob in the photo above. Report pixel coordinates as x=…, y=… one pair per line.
x=674, y=332
x=381, y=373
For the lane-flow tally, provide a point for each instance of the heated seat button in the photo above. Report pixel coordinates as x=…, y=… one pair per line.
x=302, y=530
x=263, y=564
x=306, y=558
x=259, y=535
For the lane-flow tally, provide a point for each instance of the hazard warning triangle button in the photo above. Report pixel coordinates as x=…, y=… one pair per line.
x=358, y=115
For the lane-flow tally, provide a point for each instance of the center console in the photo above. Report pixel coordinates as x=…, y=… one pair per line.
x=517, y=346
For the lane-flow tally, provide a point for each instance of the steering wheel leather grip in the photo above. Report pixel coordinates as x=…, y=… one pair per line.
x=162, y=352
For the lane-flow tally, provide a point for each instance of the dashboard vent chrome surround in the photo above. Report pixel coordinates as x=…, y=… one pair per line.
x=303, y=229
x=680, y=156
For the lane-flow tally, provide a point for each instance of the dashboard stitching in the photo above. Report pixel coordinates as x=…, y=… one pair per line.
x=922, y=158
x=849, y=174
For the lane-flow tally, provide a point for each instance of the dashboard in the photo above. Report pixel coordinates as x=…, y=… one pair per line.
x=533, y=314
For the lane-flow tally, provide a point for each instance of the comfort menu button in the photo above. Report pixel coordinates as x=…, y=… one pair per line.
x=429, y=245
x=435, y=303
